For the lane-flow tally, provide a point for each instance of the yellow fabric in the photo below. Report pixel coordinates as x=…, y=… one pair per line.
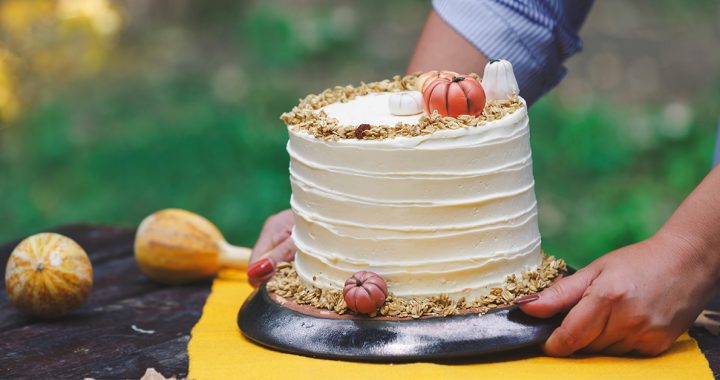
x=218, y=350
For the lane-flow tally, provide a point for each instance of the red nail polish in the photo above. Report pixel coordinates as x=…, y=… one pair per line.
x=261, y=268
x=526, y=299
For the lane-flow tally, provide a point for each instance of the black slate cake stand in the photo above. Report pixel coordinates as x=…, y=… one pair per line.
x=269, y=323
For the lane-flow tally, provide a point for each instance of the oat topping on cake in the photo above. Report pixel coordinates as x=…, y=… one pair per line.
x=286, y=284
x=308, y=117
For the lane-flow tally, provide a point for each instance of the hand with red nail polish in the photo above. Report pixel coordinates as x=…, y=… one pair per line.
x=636, y=300
x=526, y=299
x=640, y=298
x=274, y=245
x=261, y=268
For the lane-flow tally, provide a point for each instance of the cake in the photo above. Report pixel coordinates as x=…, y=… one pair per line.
x=442, y=207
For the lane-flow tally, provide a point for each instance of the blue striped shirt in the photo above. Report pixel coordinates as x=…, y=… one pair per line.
x=536, y=36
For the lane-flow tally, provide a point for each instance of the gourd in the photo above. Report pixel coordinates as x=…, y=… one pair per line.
x=405, y=103
x=175, y=246
x=48, y=275
x=454, y=97
x=365, y=292
x=499, y=80
x=427, y=77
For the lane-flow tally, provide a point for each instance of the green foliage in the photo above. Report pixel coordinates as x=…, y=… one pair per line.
x=599, y=186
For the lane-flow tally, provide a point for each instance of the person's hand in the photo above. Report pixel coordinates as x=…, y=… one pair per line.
x=635, y=300
x=275, y=244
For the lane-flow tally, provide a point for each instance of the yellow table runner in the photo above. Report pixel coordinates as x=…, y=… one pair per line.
x=217, y=350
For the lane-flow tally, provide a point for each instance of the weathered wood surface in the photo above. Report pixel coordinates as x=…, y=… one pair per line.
x=98, y=340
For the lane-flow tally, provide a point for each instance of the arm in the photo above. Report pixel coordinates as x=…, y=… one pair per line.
x=697, y=222
x=640, y=298
x=440, y=47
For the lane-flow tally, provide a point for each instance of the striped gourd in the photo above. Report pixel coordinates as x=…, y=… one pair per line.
x=48, y=275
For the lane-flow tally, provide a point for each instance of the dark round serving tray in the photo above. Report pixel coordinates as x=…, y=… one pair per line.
x=268, y=323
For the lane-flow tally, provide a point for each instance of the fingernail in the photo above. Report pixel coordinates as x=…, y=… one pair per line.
x=261, y=268
x=526, y=299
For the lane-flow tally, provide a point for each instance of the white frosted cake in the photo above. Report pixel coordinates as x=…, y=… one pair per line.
x=437, y=206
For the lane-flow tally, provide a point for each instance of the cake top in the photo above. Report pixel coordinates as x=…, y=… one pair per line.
x=394, y=107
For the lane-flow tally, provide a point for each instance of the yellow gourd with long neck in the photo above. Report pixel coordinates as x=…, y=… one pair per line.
x=175, y=246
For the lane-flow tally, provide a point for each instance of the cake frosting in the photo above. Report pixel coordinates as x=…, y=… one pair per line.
x=451, y=211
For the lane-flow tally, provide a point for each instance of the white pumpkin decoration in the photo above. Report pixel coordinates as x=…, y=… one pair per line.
x=499, y=80
x=405, y=103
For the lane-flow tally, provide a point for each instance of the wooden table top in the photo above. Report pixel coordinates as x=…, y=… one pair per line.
x=99, y=340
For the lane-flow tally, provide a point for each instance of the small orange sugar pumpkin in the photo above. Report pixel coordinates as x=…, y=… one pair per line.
x=454, y=97
x=365, y=292
x=427, y=77
x=48, y=275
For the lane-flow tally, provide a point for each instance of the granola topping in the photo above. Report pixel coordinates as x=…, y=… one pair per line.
x=308, y=117
x=286, y=284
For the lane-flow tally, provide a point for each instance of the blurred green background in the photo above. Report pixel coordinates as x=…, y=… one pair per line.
x=111, y=110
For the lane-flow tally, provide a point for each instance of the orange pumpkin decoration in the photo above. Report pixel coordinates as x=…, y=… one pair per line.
x=454, y=97
x=48, y=275
x=427, y=77
x=365, y=292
